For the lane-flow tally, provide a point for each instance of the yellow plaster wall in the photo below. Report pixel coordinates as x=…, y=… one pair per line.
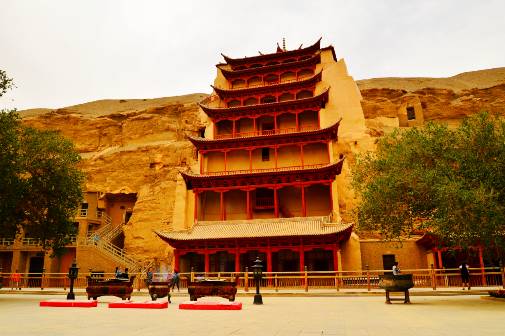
x=288, y=156
x=235, y=202
x=317, y=200
x=408, y=254
x=351, y=254
x=290, y=198
x=210, y=202
x=315, y=153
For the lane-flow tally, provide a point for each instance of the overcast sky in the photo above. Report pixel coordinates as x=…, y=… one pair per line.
x=63, y=52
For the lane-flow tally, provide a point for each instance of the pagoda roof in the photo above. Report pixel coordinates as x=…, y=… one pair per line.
x=268, y=57
x=240, y=111
x=231, y=93
x=230, y=74
x=328, y=133
x=257, y=228
x=244, y=178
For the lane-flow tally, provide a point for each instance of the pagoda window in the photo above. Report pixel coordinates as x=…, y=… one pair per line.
x=308, y=120
x=288, y=76
x=268, y=99
x=411, y=113
x=234, y=103
x=244, y=125
x=264, y=199
x=286, y=121
x=304, y=73
x=224, y=127
x=265, y=154
x=254, y=81
x=286, y=96
x=304, y=94
x=271, y=79
x=250, y=101
x=266, y=125
x=238, y=83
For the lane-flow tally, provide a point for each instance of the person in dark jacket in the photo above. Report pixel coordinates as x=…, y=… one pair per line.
x=465, y=275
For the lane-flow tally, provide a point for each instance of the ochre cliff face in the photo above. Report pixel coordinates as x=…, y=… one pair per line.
x=135, y=151
x=140, y=145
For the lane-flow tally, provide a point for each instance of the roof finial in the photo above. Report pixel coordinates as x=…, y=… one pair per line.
x=284, y=44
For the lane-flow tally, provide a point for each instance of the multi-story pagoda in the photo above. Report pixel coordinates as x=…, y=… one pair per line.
x=265, y=184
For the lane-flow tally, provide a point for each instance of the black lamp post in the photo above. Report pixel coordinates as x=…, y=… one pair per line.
x=72, y=275
x=257, y=278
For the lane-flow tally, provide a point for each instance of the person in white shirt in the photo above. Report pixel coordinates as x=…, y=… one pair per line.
x=396, y=269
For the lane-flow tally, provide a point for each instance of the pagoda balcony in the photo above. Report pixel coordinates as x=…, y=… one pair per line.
x=310, y=62
x=263, y=170
x=263, y=87
x=257, y=133
x=274, y=108
x=240, y=179
x=267, y=138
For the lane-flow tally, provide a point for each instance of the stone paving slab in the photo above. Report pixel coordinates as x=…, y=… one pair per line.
x=427, y=315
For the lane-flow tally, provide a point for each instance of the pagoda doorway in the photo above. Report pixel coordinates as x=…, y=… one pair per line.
x=192, y=261
x=222, y=262
x=286, y=261
x=247, y=260
x=319, y=260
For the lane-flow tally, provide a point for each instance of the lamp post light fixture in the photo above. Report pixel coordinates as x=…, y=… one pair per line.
x=258, y=299
x=73, y=271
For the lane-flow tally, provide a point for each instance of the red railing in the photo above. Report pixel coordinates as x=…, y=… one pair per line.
x=267, y=132
x=263, y=170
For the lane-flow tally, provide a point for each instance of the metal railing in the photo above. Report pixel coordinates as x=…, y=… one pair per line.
x=490, y=277
x=263, y=170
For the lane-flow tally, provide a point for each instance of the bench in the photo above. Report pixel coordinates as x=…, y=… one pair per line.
x=122, y=288
x=212, y=287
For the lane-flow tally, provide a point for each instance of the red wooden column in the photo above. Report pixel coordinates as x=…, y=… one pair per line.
x=176, y=260
x=335, y=258
x=248, y=204
x=201, y=161
x=482, y=270
x=196, y=206
x=302, y=258
x=207, y=262
x=221, y=205
x=250, y=159
x=276, y=204
x=301, y=155
x=237, y=260
x=269, y=258
x=275, y=155
x=304, y=205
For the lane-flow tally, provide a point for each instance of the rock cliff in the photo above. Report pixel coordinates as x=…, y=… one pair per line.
x=140, y=145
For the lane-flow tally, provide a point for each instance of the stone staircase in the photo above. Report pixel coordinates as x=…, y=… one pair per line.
x=101, y=240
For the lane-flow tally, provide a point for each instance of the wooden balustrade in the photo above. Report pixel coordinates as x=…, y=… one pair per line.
x=366, y=279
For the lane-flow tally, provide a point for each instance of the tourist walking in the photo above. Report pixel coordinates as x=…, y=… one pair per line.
x=175, y=280
x=117, y=273
x=465, y=275
x=149, y=276
x=396, y=269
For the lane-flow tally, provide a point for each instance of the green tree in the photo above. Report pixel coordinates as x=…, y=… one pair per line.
x=435, y=179
x=40, y=184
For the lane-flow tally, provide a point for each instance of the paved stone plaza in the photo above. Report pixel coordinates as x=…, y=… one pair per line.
x=365, y=315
